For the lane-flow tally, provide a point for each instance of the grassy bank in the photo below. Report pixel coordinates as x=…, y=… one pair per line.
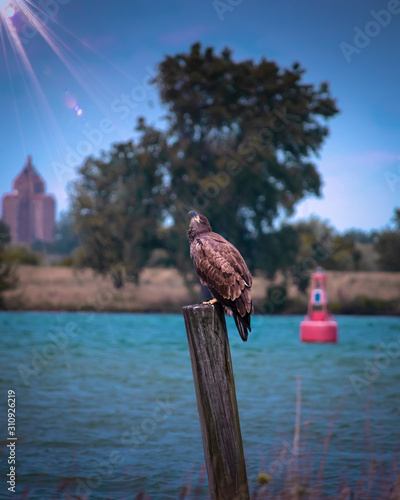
x=162, y=290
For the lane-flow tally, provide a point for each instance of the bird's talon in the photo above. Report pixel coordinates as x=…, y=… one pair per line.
x=210, y=302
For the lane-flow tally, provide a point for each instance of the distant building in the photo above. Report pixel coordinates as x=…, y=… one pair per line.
x=28, y=210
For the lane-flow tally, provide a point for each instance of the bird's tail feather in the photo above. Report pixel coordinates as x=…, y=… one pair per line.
x=242, y=326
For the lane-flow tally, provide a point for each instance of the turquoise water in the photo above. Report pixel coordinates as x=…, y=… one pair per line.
x=106, y=404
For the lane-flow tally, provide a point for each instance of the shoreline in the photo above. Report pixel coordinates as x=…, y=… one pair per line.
x=162, y=291
x=280, y=314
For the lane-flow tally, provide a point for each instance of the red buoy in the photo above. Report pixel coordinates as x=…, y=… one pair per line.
x=318, y=325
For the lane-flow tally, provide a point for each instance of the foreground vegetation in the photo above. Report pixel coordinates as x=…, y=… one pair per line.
x=298, y=484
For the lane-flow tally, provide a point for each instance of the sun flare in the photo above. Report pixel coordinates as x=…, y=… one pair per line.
x=4, y=4
x=20, y=18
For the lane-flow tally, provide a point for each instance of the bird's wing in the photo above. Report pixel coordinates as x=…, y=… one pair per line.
x=234, y=257
x=220, y=265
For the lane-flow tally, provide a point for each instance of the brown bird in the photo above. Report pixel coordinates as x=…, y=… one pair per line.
x=220, y=266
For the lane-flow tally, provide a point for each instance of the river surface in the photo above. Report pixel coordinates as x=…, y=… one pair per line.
x=106, y=405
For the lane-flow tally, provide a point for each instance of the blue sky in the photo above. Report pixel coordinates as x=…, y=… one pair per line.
x=110, y=50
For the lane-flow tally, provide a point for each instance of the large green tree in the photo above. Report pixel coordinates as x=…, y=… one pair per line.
x=243, y=138
x=118, y=205
x=239, y=146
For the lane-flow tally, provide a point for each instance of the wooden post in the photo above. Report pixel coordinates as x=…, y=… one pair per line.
x=216, y=400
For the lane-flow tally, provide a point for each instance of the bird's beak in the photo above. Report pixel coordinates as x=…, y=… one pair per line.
x=192, y=213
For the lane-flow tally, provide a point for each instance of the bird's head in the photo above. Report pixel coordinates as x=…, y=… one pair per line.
x=198, y=225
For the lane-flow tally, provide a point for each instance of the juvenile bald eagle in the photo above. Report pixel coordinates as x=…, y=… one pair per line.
x=220, y=266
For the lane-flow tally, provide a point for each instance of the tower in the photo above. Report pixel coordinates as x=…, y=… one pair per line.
x=28, y=210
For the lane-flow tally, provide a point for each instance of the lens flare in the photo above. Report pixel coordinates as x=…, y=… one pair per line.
x=4, y=4
x=35, y=15
x=69, y=100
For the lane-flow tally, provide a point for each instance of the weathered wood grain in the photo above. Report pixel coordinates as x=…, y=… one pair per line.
x=216, y=400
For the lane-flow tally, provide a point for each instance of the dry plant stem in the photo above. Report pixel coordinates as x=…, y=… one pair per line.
x=327, y=439
x=296, y=439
